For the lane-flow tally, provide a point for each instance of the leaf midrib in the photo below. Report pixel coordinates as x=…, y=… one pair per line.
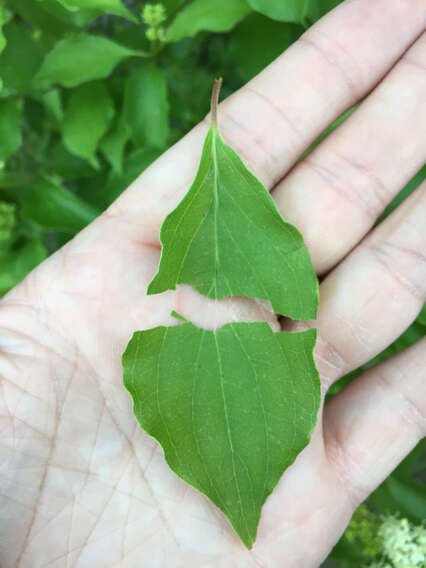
x=215, y=209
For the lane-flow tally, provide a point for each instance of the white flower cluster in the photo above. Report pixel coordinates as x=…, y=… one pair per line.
x=404, y=544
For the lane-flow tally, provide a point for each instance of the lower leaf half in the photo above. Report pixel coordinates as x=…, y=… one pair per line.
x=232, y=408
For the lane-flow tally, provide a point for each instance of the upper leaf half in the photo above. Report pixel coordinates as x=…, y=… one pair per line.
x=227, y=238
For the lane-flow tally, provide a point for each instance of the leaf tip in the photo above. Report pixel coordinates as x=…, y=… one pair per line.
x=215, y=100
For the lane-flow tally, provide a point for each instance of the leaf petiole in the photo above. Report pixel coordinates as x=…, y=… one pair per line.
x=215, y=101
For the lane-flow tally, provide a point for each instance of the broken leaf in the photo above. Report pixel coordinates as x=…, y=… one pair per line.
x=231, y=408
x=227, y=238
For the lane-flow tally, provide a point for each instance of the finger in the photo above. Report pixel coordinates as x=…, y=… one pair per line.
x=373, y=423
x=337, y=192
x=375, y=293
x=281, y=111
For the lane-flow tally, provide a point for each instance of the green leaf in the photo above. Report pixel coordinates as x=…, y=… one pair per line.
x=15, y=265
x=297, y=11
x=67, y=165
x=134, y=164
x=53, y=104
x=19, y=61
x=245, y=53
x=421, y=318
x=103, y=190
x=231, y=408
x=330, y=129
x=347, y=555
x=412, y=185
x=413, y=465
x=10, y=127
x=37, y=15
x=146, y=106
x=88, y=115
x=13, y=180
x=3, y=20
x=209, y=15
x=50, y=16
x=113, y=144
x=54, y=207
x=318, y=8
x=227, y=238
x=282, y=10
x=80, y=58
x=187, y=81
x=412, y=334
x=409, y=496
x=7, y=224
x=105, y=6
x=399, y=494
x=172, y=6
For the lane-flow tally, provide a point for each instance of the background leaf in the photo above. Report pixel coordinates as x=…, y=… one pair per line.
x=405, y=192
x=211, y=15
x=146, y=106
x=410, y=497
x=113, y=145
x=297, y=11
x=18, y=262
x=262, y=407
x=66, y=165
x=50, y=17
x=88, y=114
x=288, y=11
x=7, y=225
x=317, y=8
x=413, y=333
x=77, y=59
x=104, y=6
x=19, y=60
x=52, y=206
x=102, y=189
x=10, y=127
x=3, y=20
x=134, y=164
x=402, y=493
x=244, y=50
x=421, y=318
x=52, y=102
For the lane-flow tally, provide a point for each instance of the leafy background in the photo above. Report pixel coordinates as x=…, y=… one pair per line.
x=92, y=91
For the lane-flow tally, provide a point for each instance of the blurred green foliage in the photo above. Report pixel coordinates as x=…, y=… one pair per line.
x=93, y=91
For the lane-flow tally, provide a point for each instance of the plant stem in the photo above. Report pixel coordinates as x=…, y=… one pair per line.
x=215, y=100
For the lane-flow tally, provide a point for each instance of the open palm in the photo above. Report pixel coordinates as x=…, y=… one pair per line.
x=82, y=484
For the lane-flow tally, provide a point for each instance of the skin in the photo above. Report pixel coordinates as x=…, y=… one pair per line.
x=81, y=484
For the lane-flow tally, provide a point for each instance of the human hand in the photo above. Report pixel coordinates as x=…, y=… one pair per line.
x=82, y=484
